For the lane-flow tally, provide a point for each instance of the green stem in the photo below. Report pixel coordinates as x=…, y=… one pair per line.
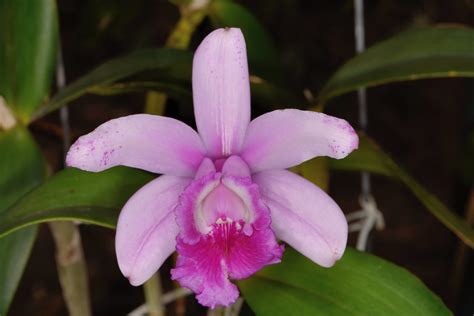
x=184, y=29
x=72, y=269
x=153, y=294
x=179, y=39
x=217, y=311
x=7, y=119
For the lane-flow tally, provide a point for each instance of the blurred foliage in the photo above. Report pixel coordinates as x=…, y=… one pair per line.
x=171, y=67
x=359, y=284
x=28, y=37
x=28, y=44
x=73, y=194
x=163, y=69
x=431, y=52
x=21, y=168
x=370, y=157
x=261, y=51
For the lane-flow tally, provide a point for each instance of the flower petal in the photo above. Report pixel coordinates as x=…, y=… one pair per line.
x=200, y=268
x=221, y=91
x=206, y=167
x=234, y=166
x=153, y=143
x=146, y=229
x=285, y=138
x=304, y=216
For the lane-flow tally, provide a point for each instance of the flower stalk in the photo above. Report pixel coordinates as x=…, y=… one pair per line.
x=72, y=270
x=7, y=119
x=153, y=295
x=71, y=266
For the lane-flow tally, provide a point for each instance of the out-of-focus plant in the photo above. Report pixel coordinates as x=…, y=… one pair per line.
x=359, y=284
x=27, y=63
x=27, y=53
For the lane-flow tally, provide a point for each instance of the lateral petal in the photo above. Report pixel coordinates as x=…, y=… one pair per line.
x=285, y=138
x=147, y=230
x=149, y=142
x=304, y=216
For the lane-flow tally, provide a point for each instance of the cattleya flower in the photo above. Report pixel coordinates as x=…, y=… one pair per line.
x=224, y=195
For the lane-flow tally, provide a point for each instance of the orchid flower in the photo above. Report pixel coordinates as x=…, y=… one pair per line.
x=224, y=196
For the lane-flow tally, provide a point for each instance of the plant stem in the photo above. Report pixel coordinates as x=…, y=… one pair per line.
x=218, y=311
x=72, y=270
x=7, y=119
x=153, y=293
x=234, y=309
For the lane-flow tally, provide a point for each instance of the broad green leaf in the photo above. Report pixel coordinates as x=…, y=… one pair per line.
x=264, y=94
x=415, y=54
x=171, y=70
x=369, y=157
x=21, y=169
x=261, y=51
x=315, y=170
x=28, y=43
x=359, y=284
x=162, y=69
x=73, y=194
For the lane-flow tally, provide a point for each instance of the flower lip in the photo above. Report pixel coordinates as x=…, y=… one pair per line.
x=218, y=195
x=224, y=233
x=222, y=204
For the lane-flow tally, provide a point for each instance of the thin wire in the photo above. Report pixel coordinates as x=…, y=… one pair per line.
x=369, y=216
x=359, y=31
x=64, y=111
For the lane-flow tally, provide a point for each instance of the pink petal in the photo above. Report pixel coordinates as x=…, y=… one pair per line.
x=236, y=167
x=153, y=143
x=147, y=229
x=285, y=138
x=304, y=216
x=206, y=167
x=221, y=91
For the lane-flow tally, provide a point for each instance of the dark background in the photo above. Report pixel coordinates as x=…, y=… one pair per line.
x=422, y=124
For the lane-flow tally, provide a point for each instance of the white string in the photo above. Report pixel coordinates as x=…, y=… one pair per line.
x=369, y=215
x=166, y=298
x=364, y=220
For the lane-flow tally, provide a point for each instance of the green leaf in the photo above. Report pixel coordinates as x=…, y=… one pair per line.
x=163, y=69
x=28, y=37
x=261, y=51
x=369, y=157
x=433, y=52
x=170, y=68
x=73, y=194
x=22, y=168
x=359, y=284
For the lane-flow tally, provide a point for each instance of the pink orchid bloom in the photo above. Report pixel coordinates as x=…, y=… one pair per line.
x=224, y=196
